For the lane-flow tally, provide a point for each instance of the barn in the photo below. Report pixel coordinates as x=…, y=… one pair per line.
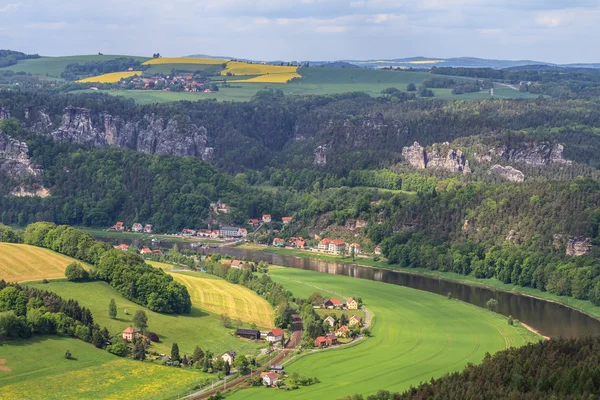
x=253, y=334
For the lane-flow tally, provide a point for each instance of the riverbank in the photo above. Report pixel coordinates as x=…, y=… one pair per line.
x=104, y=234
x=583, y=306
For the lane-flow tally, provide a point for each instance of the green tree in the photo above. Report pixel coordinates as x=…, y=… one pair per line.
x=139, y=350
x=198, y=355
x=491, y=304
x=175, y=352
x=241, y=364
x=112, y=309
x=140, y=320
x=411, y=87
x=510, y=320
x=76, y=273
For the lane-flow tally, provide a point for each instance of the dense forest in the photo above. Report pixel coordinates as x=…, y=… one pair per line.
x=555, y=369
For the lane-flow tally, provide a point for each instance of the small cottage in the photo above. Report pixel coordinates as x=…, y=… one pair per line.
x=130, y=334
x=229, y=357
x=275, y=335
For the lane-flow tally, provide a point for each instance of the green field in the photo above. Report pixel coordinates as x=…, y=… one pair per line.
x=200, y=327
x=55, y=66
x=37, y=369
x=22, y=263
x=416, y=336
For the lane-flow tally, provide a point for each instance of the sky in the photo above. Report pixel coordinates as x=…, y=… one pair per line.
x=558, y=31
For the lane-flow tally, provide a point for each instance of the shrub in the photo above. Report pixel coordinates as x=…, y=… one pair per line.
x=153, y=337
x=76, y=273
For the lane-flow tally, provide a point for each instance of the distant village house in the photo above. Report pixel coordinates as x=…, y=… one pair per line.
x=275, y=335
x=229, y=357
x=137, y=227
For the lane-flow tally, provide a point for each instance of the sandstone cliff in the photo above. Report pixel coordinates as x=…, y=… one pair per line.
x=574, y=245
x=531, y=153
x=440, y=157
x=509, y=173
x=152, y=134
x=24, y=177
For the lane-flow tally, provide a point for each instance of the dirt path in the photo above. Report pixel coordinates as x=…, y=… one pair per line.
x=289, y=348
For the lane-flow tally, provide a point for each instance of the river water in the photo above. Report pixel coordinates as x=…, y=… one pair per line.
x=548, y=318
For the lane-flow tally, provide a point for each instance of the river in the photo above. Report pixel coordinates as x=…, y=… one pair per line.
x=548, y=318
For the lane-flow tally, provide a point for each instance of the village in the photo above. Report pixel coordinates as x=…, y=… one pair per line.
x=175, y=83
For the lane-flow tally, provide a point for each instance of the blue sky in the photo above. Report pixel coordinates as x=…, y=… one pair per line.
x=551, y=30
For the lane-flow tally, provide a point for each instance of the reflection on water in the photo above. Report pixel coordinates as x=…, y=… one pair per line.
x=550, y=319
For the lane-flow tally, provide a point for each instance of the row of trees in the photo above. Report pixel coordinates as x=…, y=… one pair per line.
x=126, y=272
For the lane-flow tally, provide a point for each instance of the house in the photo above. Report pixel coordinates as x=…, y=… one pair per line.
x=342, y=332
x=327, y=303
x=119, y=226
x=243, y=232
x=331, y=339
x=298, y=243
x=266, y=218
x=355, y=321
x=215, y=234
x=356, y=247
x=377, y=251
x=324, y=244
x=253, y=222
x=275, y=335
x=278, y=242
x=229, y=357
x=269, y=378
x=137, y=227
x=237, y=264
x=337, y=246
x=123, y=247
x=252, y=334
x=230, y=232
x=329, y=321
x=352, y=304
x=336, y=303
x=130, y=334
x=156, y=251
x=188, y=232
x=277, y=368
x=145, y=250
x=286, y=220
x=147, y=228
x=321, y=341
x=204, y=233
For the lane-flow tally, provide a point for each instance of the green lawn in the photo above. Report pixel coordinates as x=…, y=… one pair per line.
x=55, y=66
x=416, y=336
x=337, y=313
x=198, y=328
x=37, y=369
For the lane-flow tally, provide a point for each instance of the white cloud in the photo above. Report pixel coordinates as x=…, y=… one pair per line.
x=9, y=7
x=331, y=29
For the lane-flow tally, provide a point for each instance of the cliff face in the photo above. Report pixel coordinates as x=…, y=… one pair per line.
x=25, y=178
x=152, y=134
x=575, y=246
x=508, y=173
x=441, y=157
x=531, y=153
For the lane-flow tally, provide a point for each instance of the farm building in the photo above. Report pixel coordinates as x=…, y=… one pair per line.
x=130, y=334
x=237, y=264
x=329, y=321
x=275, y=335
x=137, y=227
x=269, y=378
x=352, y=304
x=321, y=341
x=343, y=331
x=355, y=321
x=331, y=303
x=277, y=368
x=253, y=334
x=331, y=339
x=229, y=357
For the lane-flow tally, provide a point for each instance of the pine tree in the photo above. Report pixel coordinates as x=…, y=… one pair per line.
x=175, y=352
x=139, y=352
x=198, y=355
x=112, y=309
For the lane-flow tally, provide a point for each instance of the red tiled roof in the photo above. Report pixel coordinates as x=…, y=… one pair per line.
x=278, y=240
x=236, y=263
x=338, y=242
x=343, y=328
x=321, y=339
x=325, y=241
x=129, y=330
x=350, y=300
x=276, y=332
x=336, y=301
x=286, y=218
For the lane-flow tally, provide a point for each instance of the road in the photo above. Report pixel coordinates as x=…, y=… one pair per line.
x=289, y=348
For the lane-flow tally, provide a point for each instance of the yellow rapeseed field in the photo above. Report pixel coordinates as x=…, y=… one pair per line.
x=22, y=263
x=242, y=68
x=272, y=78
x=183, y=60
x=113, y=77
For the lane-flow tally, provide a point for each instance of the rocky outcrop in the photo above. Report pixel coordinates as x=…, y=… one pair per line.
x=574, y=245
x=152, y=134
x=531, y=153
x=508, y=173
x=4, y=113
x=440, y=157
x=15, y=162
x=320, y=155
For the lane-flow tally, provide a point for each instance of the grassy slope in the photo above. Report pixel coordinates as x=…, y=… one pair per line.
x=221, y=297
x=416, y=335
x=40, y=371
x=583, y=305
x=167, y=68
x=54, y=66
x=21, y=263
x=198, y=328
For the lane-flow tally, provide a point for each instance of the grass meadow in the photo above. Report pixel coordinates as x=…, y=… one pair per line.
x=416, y=336
x=22, y=263
x=37, y=369
x=55, y=66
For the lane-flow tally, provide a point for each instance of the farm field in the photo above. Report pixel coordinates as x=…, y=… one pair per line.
x=185, y=60
x=37, y=369
x=112, y=77
x=22, y=263
x=221, y=297
x=166, y=69
x=416, y=336
x=55, y=66
x=200, y=327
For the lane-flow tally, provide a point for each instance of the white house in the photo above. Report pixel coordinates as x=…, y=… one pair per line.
x=276, y=335
x=229, y=357
x=329, y=321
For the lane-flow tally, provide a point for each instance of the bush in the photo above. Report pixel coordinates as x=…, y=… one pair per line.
x=68, y=355
x=491, y=304
x=118, y=349
x=510, y=320
x=153, y=337
x=76, y=273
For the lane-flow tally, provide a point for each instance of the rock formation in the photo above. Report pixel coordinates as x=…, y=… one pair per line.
x=151, y=134
x=15, y=162
x=320, y=155
x=531, y=153
x=574, y=245
x=509, y=173
x=441, y=157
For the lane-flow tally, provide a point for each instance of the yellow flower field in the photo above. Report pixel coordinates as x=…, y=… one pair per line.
x=272, y=78
x=242, y=68
x=113, y=77
x=183, y=60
